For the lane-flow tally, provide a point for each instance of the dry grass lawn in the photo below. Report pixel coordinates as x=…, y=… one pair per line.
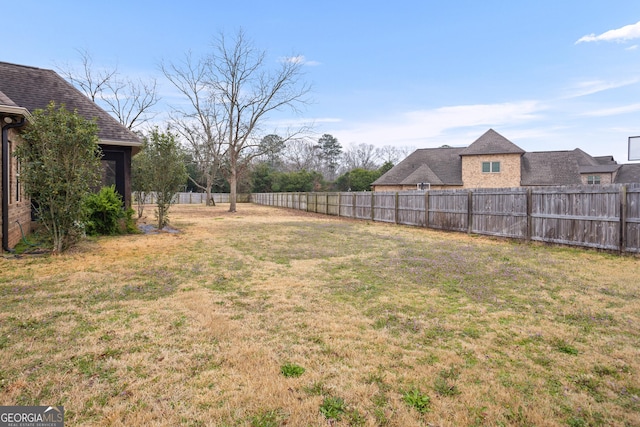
x=393, y=326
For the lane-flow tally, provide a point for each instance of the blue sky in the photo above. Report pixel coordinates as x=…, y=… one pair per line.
x=546, y=74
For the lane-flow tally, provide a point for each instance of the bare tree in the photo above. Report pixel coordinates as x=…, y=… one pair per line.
x=199, y=123
x=248, y=92
x=392, y=154
x=129, y=101
x=362, y=156
x=301, y=154
x=88, y=80
x=231, y=96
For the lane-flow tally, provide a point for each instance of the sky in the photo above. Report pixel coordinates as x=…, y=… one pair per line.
x=546, y=74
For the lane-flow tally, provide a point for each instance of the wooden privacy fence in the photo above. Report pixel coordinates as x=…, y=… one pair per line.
x=604, y=217
x=196, y=198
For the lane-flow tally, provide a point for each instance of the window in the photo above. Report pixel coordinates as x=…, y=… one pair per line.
x=593, y=179
x=18, y=183
x=108, y=172
x=14, y=176
x=490, y=167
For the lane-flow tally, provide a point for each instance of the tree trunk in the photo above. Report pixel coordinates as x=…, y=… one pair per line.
x=210, y=201
x=233, y=195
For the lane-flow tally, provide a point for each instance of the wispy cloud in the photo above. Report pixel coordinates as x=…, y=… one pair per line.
x=480, y=114
x=300, y=59
x=300, y=122
x=625, y=109
x=594, y=86
x=422, y=126
x=620, y=35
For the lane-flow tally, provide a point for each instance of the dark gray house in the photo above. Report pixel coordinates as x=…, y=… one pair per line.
x=24, y=89
x=492, y=161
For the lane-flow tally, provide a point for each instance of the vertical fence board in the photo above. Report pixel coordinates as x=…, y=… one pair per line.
x=384, y=206
x=363, y=205
x=500, y=213
x=333, y=204
x=589, y=216
x=580, y=216
x=448, y=210
x=411, y=208
x=632, y=225
x=346, y=207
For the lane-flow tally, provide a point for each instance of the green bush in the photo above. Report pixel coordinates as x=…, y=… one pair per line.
x=104, y=212
x=130, y=225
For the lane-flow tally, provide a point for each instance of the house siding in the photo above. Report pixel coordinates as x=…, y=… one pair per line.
x=413, y=187
x=389, y=188
x=605, y=178
x=509, y=175
x=19, y=208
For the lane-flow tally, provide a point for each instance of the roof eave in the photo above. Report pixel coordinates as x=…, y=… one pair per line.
x=19, y=111
x=121, y=143
x=520, y=153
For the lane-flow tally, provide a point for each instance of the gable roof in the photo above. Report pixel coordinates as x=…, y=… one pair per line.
x=5, y=101
x=439, y=166
x=423, y=174
x=491, y=142
x=34, y=88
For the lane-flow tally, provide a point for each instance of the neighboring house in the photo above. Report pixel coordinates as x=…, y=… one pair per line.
x=24, y=89
x=492, y=161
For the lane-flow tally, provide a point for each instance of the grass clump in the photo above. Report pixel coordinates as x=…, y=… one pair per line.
x=563, y=347
x=291, y=370
x=381, y=317
x=268, y=418
x=444, y=387
x=416, y=399
x=333, y=408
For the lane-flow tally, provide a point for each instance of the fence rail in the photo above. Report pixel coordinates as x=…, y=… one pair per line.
x=194, y=198
x=604, y=217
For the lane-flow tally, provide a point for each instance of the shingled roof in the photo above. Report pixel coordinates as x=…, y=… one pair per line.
x=438, y=166
x=6, y=101
x=559, y=167
x=34, y=88
x=628, y=173
x=491, y=142
x=443, y=166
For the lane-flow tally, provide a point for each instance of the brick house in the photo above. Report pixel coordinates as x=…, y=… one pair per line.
x=492, y=161
x=24, y=89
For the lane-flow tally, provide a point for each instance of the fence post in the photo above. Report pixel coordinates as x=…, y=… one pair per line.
x=426, y=209
x=529, y=213
x=353, y=202
x=397, y=207
x=469, y=211
x=326, y=206
x=623, y=218
x=373, y=204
